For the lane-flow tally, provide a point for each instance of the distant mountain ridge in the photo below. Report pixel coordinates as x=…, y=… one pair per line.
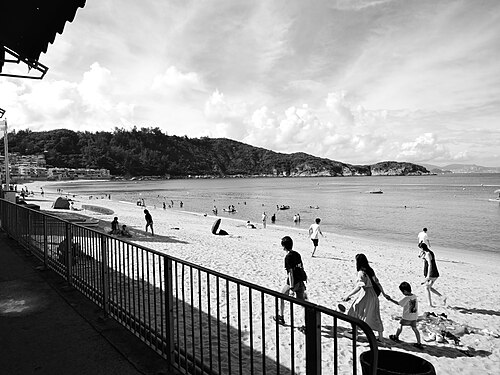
x=460, y=168
x=149, y=152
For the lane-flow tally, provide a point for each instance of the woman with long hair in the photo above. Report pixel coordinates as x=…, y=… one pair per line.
x=366, y=304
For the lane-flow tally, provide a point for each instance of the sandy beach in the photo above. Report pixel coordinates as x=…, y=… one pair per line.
x=469, y=280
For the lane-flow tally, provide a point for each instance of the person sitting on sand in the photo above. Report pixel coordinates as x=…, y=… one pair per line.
x=115, y=226
x=410, y=313
x=124, y=232
x=250, y=225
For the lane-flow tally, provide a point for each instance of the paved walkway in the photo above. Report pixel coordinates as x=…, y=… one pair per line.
x=47, y=327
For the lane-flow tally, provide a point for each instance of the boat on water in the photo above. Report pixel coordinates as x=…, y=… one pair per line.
x=376, y=192
x=228, y=210
x=283, y=207
x=315, y=207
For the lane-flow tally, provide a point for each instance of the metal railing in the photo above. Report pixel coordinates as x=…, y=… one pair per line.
x=201, y=321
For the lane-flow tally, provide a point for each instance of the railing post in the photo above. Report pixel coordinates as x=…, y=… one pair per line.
x=69, y=253
x=45, y=243
x=105, y=274
x=313, y=341
x=169, y=309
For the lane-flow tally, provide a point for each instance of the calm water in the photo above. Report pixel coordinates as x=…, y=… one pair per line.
x=455, y=208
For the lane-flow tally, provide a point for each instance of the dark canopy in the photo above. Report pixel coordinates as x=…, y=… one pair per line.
x=28, y=26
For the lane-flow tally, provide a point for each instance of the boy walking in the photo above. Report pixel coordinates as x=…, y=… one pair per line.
x=410, y=313
x=295, y=277
x=314, y=232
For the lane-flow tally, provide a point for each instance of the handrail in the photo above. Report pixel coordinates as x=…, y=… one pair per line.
x=197, y=318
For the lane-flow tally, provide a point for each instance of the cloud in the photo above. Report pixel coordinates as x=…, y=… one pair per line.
x=427, y=148
x=174, y=82
x=86, y=105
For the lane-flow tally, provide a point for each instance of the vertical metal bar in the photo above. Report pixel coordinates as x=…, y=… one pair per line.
x=104, y=272
x=155, y=305
x=263, y=314
x=277, y=331
x=354, y=349
x=69, y=253
x=336, y=348
x=193, y=338
x=184, y=313
x=169, y=310
x=228, y=327
x=238, y=291
x=218, y=324
x=45, y=243
x=292, y=339
x=209, y=308
x=313, y=341
x=200, y=319
x=250, y=327
x=177, y=320
x=148, y=286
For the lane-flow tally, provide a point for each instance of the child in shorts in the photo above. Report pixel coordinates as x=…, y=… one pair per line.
x=410, y=313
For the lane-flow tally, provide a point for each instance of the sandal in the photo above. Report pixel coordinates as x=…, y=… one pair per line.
x=418, y=345
x=394, y=338
x=279, y=319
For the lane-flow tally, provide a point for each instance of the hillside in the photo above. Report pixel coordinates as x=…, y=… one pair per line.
x=149, y=152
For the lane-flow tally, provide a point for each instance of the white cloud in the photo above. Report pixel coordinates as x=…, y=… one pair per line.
x=427, y=148
x=173, y=81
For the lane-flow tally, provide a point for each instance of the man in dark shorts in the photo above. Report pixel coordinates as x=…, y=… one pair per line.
x=314, y=232
x=296, y=277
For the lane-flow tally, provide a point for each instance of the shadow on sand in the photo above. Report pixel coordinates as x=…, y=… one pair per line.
x=467, y=310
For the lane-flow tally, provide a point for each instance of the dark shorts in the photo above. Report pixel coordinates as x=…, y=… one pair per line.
x=315, y=241
x=299, y=290
x=411, y=323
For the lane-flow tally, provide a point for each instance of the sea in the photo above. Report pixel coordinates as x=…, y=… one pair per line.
x=454, y=207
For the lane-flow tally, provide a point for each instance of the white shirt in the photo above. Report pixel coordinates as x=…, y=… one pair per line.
x=410, y=307
x=314, y=231
x=423, y=237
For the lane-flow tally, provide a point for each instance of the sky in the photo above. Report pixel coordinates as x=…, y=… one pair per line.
x=357, y=81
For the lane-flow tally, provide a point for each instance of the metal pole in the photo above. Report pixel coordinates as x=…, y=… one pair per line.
x=6, y=148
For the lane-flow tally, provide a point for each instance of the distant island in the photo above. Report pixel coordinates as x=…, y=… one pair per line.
x=149, y=152
x=460, y=168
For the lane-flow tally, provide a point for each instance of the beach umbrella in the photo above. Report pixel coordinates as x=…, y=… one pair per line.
x=497, y=191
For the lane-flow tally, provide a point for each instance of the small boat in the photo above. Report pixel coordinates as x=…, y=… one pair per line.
x=315, y=207
x=376, y=192
x=228, y=210
x=283, y=207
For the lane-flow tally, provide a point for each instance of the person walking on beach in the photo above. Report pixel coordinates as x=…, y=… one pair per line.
x=431, y=273
x=296, y=276
x=264, y=219
x=314, y=232
x=410, y=313
x=149, y=222
x=366, y=306
x=423, y=238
